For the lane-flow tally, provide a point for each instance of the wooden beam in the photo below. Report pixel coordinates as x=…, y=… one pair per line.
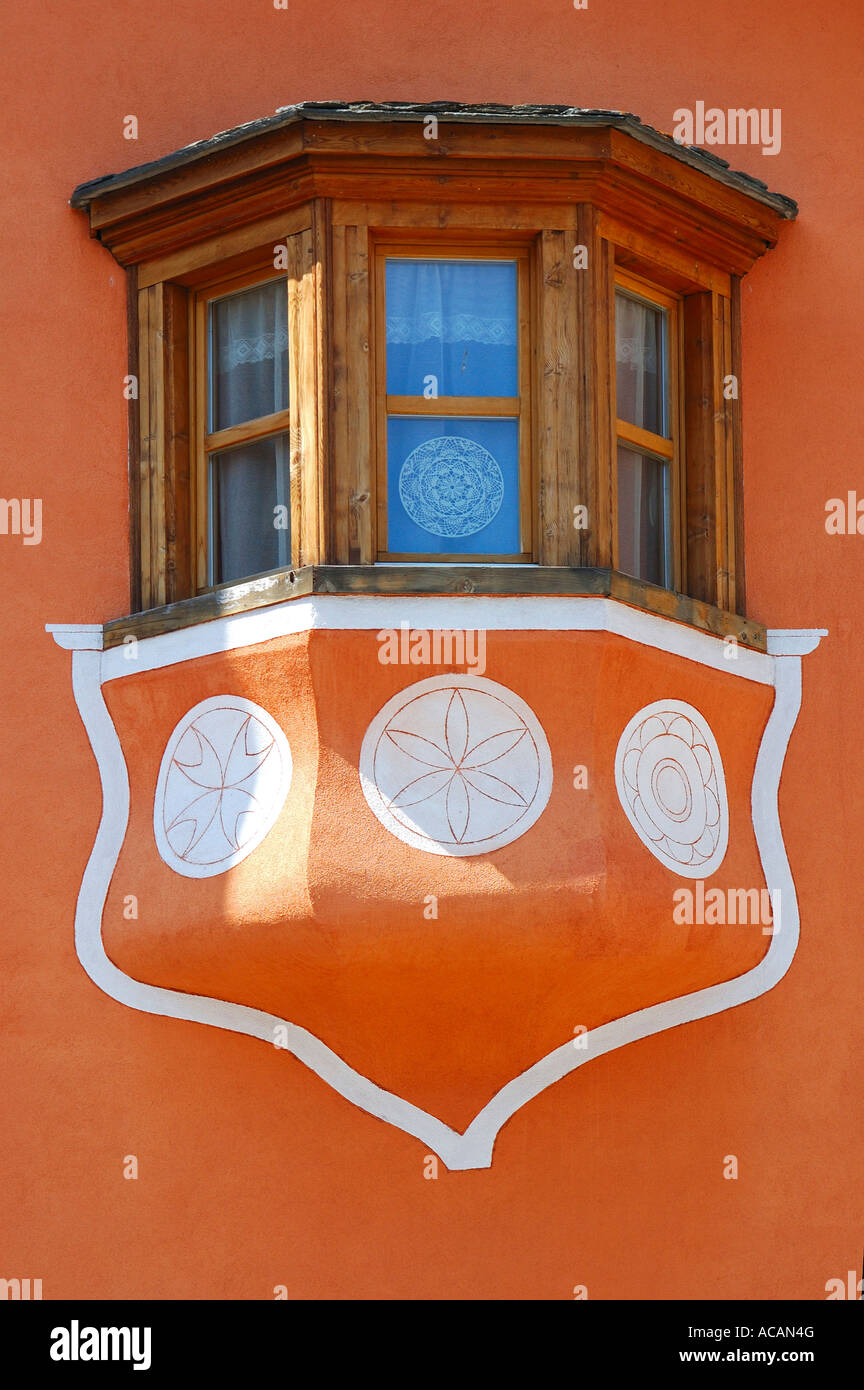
x=351, y=420
x=595, y=286
x=445, y=580
x=557, y=443
x=163, y=463
x=724, y=482
x=320, y=541
x=133, y=414
x=388, y=162
x=734, y=406
x=305, y=438
x=699, y=446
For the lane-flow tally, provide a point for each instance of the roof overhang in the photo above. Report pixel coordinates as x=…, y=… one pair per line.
x=553, y=156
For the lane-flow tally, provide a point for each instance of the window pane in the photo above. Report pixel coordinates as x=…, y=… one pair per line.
x=455, y=321
x=640, y=379
x=453, y=486
x=643, y=516
x=247, y=484
x=248, y=355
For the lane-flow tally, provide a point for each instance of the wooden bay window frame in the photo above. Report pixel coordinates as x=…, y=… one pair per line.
x=334, y=191
x=439, y=247
x=207, y=445
x=667, y=446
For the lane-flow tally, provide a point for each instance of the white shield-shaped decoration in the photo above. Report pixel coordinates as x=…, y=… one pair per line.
x=441, y=874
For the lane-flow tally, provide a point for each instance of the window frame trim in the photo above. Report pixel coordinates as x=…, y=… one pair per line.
x=204, y=445
x=425, y=245
x=671, y=448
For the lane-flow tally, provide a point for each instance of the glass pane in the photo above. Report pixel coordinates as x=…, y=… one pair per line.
x=248, y=355
x=455, y=321
x=644, y=516
x=640, y=348
x=453, y=486
x=247, y=486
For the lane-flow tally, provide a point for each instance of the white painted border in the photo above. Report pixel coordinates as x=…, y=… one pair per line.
x=381, y=811
x=356, y=612
x=178, y=733
x=474, y=1147
x=663, y=707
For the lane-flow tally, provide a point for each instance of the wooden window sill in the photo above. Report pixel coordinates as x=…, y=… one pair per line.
x=429, y=579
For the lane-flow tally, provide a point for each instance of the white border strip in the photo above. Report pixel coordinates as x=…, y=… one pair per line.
x=355, y=612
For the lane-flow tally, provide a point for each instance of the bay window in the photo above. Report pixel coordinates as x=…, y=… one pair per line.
x=504, y=359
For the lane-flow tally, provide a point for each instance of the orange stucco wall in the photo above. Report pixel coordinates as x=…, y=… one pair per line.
x=252, y=1173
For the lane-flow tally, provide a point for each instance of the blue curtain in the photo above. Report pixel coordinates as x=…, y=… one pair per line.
x=454, y=320
x=452, y=483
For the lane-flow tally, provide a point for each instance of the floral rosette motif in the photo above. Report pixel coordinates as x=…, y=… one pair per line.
x=223, y=780
x=456, y=765
x=671, y=785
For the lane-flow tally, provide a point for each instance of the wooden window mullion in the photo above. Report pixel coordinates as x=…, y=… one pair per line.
x=713, y=495
x=304, y=348
x=353, y=530
x=517, y=408
x=559, y=482
x=163, y=503
x=596, y=402
x=738, y=602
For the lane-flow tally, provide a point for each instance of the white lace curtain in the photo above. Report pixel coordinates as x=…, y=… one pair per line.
x=249, y=353
x=638, y=355
x=454, y=320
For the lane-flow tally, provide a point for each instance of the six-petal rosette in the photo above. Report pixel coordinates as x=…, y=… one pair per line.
x=456, y=765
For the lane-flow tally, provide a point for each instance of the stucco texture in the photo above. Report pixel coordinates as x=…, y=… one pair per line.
x=252, y=1172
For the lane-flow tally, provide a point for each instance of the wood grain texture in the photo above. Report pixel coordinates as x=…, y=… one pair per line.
x=559, y=485
x=176, y=491
x=595, y=287
x=453, y=405
x=361, y=538
x=316, y=409
x=699, y=443
x=351, y=413
x=163, y=464
x=249, y=430
x=724, y=497
x=246, y=247
x=303, y=356
x=449, y=580
x=735, y=410
x=134, y=440
x=469, y=165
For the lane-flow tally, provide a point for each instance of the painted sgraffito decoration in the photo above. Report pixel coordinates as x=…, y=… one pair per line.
x=415, y=884
x=456, y=765
x=669, y=776
x=223, y=780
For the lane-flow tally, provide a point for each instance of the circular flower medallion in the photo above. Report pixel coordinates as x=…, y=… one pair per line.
x=456, y=765
x=451, y=486
x=670, y=783
x=223, y=780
